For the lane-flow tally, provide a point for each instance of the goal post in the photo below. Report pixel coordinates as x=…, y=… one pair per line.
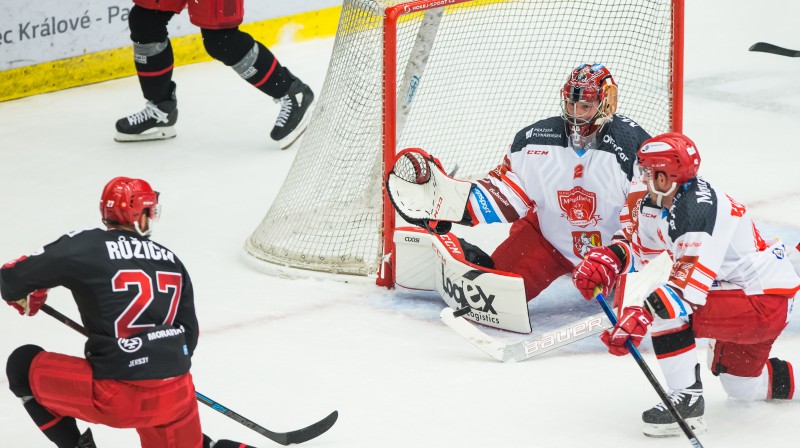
x=457, y=78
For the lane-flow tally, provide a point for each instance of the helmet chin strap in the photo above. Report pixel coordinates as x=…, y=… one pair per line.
x=146, y=232
x=659, y=195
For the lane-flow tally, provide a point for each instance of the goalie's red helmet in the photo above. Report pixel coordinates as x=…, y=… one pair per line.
x=673, y=154
x=125, y=199
x=588, y=83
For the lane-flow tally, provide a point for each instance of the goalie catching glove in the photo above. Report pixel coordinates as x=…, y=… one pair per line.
x=423, y=194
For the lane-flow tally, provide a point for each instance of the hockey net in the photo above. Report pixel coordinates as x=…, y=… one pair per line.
x=457, y=78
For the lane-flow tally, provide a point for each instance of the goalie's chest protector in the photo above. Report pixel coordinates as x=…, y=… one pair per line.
x=578, y=198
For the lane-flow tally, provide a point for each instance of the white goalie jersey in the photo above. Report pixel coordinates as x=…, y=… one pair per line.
x=577, y=197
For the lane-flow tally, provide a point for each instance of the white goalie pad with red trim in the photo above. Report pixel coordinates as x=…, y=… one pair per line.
x=427, y=261
x=495, y=298
x=413, y=259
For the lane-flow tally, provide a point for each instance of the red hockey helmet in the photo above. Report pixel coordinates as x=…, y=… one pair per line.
x=588, y=83
x=673, y=154
x=125, y=199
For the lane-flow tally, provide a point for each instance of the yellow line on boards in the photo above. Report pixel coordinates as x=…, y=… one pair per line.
x=118, y=63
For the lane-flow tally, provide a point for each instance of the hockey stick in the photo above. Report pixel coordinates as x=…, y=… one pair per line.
x=774, y=49
x=526, y=348
x=687, y=430
x=284, y=438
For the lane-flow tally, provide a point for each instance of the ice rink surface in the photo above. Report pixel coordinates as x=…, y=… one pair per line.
x=285, y=353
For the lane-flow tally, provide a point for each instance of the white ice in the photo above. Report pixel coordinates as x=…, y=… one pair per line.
x=284, y=353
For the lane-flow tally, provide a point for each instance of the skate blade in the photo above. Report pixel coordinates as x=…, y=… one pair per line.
x=155, y=134
x=287, y=141
x=697, y=424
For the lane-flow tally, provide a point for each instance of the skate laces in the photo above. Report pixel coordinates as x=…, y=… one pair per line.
x=677, y=396
x=286, y=110
x=150, y=111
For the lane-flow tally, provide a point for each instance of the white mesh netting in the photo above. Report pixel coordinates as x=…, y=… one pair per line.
x=495, y=67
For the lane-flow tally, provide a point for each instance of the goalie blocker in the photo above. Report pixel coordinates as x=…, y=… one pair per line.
x=436, y=262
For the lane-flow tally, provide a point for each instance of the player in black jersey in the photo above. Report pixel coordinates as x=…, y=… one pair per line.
x=136, y=301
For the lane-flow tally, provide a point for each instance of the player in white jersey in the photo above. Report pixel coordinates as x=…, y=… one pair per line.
x=727, y=284
x=562, y=185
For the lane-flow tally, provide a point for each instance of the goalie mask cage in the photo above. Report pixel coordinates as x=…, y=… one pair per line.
x=457, y=78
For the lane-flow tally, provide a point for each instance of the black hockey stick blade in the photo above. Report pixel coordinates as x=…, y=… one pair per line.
x=774, y=49
x=312, y=431
x=284, y=438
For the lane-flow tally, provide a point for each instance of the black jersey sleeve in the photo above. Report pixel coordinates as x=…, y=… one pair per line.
x=45, y=268
x=186, y=315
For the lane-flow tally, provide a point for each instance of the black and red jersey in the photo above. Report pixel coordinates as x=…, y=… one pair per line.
x=123, y=283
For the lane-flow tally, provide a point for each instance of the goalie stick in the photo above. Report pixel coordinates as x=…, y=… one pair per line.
x=283, y=438
x=635, y=286
x=526, y=348
x=774, y=49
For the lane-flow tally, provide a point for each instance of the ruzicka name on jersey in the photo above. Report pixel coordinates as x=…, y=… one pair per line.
x=125, y=249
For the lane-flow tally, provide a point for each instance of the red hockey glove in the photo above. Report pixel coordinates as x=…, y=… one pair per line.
x=30, y=305
x=599, y=267
x=633, y=325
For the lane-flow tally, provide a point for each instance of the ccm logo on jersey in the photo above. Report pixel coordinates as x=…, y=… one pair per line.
x=538, y=152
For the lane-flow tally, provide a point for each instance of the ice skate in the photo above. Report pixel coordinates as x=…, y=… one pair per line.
x=294, y=115
x=659, y=422
x=155, y=122
x=86, y=440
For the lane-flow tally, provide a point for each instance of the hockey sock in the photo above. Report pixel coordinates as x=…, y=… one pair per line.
x=250, y=59
x=676, y=353
x=260, y=68
x=781, y=379
x=230, y=444
x=154, y=64
x=152, y=51
x=208, y=443
x=63, y=431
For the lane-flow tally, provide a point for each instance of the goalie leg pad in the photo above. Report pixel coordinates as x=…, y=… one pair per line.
x=528, y=254
x=494, y=298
